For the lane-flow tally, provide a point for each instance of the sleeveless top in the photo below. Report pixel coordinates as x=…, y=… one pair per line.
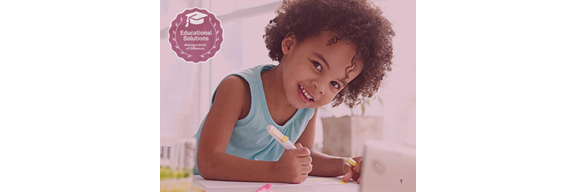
x=249, y=139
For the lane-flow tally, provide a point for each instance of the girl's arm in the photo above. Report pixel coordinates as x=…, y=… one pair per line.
x=324, y=165
x=232, y=98
x=213, y=161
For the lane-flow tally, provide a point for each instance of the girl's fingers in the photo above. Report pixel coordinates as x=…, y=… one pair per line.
x=305, y=161
x=348, y=174
x=357, y=169
x=356, y=176
x=309, y=168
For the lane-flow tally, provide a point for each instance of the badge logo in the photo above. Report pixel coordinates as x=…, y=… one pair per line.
x=195, y=35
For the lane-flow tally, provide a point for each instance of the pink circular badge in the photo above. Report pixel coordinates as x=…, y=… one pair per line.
x=195, y=35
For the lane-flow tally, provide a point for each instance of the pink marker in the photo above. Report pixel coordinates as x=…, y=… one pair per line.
x=264, y=188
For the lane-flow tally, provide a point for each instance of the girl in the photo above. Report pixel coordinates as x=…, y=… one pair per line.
x=328, y=51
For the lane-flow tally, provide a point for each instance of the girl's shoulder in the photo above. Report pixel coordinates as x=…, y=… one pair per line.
x=236, y=89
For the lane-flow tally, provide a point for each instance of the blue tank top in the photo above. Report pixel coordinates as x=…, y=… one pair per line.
x=249, y=138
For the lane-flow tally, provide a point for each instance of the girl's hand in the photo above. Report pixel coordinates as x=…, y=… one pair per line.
x=294, y=165
x=353, y=173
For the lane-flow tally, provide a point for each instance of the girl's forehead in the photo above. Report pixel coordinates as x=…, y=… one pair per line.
x=330, y=41
x=333, y=48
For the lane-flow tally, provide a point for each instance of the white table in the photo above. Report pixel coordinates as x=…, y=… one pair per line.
x=321, y=184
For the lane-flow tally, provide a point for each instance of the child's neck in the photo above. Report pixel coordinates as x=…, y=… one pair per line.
x=274, y=90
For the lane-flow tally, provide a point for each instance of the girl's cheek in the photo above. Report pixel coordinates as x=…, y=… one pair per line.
x=327, y=100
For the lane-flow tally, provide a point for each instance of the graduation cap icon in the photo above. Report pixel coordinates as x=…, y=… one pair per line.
x=195, y=18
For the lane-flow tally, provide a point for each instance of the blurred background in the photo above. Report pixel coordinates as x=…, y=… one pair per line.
x=186, y=88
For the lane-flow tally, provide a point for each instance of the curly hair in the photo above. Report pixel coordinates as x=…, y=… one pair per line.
x=356, y=21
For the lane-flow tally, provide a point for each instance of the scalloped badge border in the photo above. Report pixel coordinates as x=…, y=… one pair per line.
x=216, y=26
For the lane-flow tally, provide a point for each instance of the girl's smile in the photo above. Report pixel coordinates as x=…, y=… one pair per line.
x=305, y=95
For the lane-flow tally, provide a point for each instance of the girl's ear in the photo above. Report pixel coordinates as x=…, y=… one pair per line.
x=288, y=43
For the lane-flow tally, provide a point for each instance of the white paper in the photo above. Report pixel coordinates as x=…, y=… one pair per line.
x=311, y=181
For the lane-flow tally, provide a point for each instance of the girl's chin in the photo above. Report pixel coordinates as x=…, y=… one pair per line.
x=299, y=105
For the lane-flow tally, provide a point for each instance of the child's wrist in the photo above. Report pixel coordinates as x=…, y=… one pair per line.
x=274, y=176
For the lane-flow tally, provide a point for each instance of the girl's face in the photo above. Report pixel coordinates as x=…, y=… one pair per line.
x=313, y=70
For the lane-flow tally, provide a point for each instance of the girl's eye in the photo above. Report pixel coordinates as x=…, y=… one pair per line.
x=336, y=85
x=317, y=65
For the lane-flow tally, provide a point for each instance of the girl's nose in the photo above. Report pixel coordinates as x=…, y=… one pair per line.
x=321, y=90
